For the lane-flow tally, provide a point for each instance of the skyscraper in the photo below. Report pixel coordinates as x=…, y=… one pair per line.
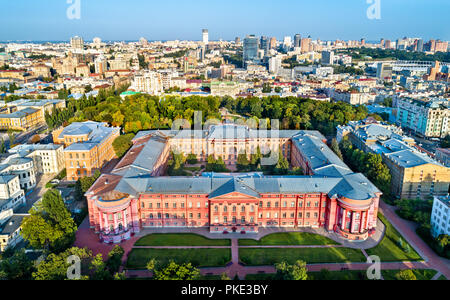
x=251, y=46
x=265, y=44
x=306, y=45
x=205, y=35
x=297, y=40
x=273, y=43
x=327, y=57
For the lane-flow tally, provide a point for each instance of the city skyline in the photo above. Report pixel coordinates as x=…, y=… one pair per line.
x=184, y=21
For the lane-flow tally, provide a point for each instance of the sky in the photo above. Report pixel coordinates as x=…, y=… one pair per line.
x=46, y=20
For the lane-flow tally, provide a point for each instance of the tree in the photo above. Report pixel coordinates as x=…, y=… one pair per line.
x=115, y=259
x=225, y=277
x=335, y=148
x=122, y=144
x=174, y=271
x=55, y=266
x=192, y=159
x=406, y=275
x=296, y=271
x=51, y=225
x=16, y=267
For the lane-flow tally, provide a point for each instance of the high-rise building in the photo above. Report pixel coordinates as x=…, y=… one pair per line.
x=265, y=45
x=77, y=43
x=251, y=47
x=384, y=71
x=297, y=40
x=237, y=40
x=205, y=35
x=327, y=57
x=287, y=43
x=273, y=43
x=305, y=45
x=420, y=45
x=275, y=64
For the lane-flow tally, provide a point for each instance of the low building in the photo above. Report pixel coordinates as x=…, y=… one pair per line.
x=47, y=159
x=440, y=217
x=22, y=167
x=443, y=156
x=21, y=120
x=10, y=229
x=11, y=195
x=88, y=146
x=331, y=196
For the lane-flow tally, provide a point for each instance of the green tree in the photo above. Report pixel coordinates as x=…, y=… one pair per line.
x=406, y=275
x=122, y=144
x=296, y=271
x=16, y=267
x=55, y=266
x=51, y=225
x=174, y=271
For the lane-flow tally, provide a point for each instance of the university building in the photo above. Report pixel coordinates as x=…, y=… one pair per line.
x=136, y=195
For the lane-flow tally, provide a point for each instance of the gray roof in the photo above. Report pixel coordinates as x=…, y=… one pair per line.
x=332, y=176
x=12, y=224
x=410, y=159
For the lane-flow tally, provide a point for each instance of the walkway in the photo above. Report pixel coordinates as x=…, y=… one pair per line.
x=408, y=231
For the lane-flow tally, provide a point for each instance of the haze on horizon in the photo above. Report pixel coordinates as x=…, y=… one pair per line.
x=46, y=20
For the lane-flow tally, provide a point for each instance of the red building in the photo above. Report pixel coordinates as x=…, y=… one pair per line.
x=331, y=196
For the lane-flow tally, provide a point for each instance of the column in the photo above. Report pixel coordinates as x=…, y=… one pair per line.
x=352, y=224
x=344, y=219
x=362, y=227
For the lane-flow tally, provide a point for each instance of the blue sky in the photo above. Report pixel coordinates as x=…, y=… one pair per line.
x=225, y=19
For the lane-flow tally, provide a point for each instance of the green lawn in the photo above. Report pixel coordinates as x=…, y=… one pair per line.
x=442, y=277
x=388, y=250
x=289, y=238
x=426, y=274
x=181, y=239
x=139, y=258
x=271, y=256
x=337, y=275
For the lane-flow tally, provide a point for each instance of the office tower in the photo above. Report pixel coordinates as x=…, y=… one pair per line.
x=205, y=35
x=388, y=44
x=237, y=40
x=297, y=40
x=265, y=45
x=273, y=43
x=327, y=57
x=251, y=46
x=384, y=71
x=287, y=43
x=363, y=42
x=275, y=64
x=382, y=43
x=305, y=45
x=77, y=43
x=420, y=45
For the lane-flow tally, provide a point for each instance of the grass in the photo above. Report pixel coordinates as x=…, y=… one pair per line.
x=271, y=256
x=335, y=275
x=138, y=258
x=182, y=239
x=442, y=277
x=288, y=239
x=426, y=274
x=388, y=249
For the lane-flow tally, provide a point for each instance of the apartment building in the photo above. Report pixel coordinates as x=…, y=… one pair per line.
x=440, y=216
x=88, y=146
x=21, y=120
x=414, y=174
x=427, y=117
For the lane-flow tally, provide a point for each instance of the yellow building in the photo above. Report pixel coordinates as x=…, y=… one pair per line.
x=21, y=120
x=88, y=146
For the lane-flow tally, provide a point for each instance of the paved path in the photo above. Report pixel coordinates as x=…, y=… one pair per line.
x=436, y=277
x=408, y=231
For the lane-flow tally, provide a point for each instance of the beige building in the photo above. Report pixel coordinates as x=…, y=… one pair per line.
x=10, y=229
x=48, y=159
x=414, y=175
x=11, y=194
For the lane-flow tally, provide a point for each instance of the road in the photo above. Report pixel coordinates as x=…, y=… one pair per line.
x=36, y=194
